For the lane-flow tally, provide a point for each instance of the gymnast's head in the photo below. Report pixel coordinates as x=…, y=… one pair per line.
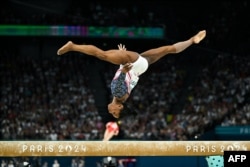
x=115, y=109
x=121, y=110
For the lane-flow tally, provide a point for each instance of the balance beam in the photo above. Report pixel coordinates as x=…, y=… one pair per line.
x=119, y=148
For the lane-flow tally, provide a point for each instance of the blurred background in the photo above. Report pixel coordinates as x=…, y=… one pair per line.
x=199, y=94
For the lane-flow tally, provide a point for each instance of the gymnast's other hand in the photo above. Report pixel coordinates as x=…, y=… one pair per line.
x=127, y=67
x=121, y=47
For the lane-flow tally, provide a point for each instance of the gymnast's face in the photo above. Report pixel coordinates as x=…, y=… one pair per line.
x=115, y=109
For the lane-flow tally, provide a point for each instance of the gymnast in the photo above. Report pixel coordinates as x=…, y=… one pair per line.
x=131, y=65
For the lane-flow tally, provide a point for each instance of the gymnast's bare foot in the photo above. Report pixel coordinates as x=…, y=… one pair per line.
x=65, y=48
x=200, y=36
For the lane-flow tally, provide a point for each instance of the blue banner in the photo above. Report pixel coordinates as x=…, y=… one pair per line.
x=232, y=130
x=82, y=31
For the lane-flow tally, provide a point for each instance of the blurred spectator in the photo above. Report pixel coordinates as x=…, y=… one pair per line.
x=56, y=163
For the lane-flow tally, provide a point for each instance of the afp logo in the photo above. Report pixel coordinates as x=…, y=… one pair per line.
x=236, y=158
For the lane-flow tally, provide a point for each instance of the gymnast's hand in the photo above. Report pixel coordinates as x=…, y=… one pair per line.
x=127, y=67
x=121, y=47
